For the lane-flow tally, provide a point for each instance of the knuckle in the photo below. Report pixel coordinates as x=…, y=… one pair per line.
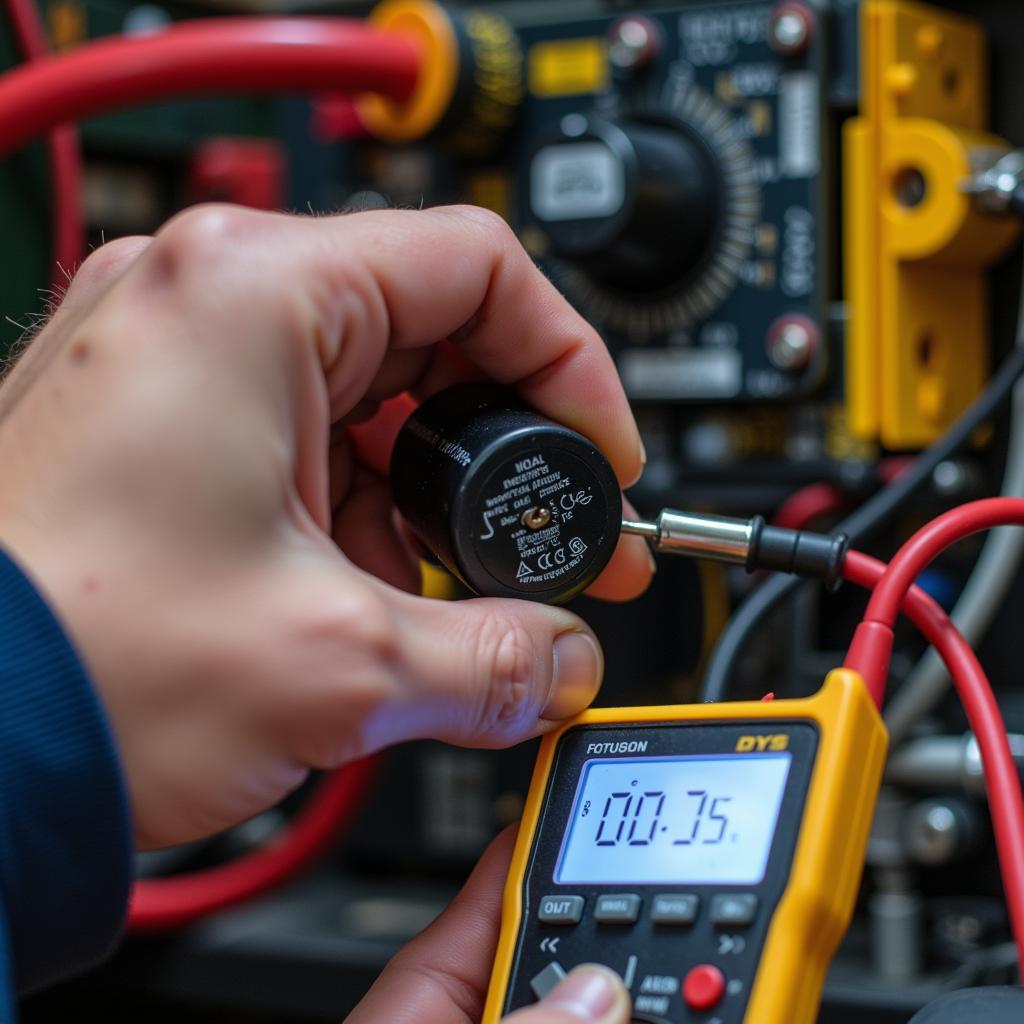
x=202, y=235
x=110, y=260
x=489, y=222
x=506, y=657
x=370, y=625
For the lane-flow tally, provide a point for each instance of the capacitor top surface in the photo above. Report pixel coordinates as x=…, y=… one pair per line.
x=511, y=502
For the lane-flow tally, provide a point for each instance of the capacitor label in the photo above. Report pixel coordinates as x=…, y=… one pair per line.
x=541, y=521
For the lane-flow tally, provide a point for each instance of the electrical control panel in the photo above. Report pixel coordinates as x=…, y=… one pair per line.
x=666, y=169
x=673, y=188
x=764, y=208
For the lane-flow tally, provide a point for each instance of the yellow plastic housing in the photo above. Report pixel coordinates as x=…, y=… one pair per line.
x=818, y=901
x=916, y=245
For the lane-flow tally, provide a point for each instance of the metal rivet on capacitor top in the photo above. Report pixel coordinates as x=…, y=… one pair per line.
x=511, y=502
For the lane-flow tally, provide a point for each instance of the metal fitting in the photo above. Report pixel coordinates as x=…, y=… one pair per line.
x=997, y=176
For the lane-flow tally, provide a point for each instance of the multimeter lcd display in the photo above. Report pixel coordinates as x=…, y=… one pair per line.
x=690, y=820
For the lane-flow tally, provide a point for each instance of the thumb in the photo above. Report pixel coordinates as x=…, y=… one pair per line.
x=590, y=992
x=490, y=672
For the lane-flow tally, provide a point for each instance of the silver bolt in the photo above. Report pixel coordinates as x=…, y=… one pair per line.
x=937, y=831
x=632, y=44
x=950, y=478
x=791, y=344
x=789, y=31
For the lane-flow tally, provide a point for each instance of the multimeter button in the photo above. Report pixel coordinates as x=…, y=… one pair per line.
x=621, y=908
x=703, y=987
x=675, y=908
x=734, y=908
x=560, y=909
x=546, y=980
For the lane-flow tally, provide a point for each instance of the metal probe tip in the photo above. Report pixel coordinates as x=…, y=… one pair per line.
x=649, y=530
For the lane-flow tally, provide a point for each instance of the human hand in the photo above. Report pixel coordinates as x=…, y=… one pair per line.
x=179, y=480
x=441, y=976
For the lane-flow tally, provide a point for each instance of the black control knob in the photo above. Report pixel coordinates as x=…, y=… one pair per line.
x=635, y=203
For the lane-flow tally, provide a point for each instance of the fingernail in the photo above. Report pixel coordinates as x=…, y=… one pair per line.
x=576, y=675
x=588, y=992
x=643, y=452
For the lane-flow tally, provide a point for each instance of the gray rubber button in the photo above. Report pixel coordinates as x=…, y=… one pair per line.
x=617, y=908
x=560, y=909
x=675, y=908
x=544, y=982
x=733, y=908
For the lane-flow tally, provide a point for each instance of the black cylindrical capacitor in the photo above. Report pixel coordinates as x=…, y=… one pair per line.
x=511, y=502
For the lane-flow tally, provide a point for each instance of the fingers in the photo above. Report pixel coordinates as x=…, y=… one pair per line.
x=352, y=287
x=590, y=992
x=364, y=529
x=489, y=673
x=460, y=272
x=442, y=974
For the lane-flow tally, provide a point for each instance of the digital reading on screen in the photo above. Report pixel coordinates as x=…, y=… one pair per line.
x=691, y=820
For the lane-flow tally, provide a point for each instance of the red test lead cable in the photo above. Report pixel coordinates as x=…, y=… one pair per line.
x=159, y=904
x=871, y=649
x=215, y=55
x=870, y=653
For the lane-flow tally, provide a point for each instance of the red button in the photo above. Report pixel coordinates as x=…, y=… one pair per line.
x=703, y=987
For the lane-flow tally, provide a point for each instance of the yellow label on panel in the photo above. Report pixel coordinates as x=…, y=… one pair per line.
x=566, y=67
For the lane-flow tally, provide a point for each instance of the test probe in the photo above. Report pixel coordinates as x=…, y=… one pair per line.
x=517, y=505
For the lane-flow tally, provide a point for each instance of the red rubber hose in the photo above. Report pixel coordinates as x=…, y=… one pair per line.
x=218, y=55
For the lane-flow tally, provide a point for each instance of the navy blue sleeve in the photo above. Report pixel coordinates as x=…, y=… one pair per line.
x=65, y=832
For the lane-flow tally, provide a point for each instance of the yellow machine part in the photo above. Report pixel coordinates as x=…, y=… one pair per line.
x=430, y=25
x=916, y=245
x=816, y=907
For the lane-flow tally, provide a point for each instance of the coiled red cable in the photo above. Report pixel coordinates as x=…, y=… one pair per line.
x=216, y=55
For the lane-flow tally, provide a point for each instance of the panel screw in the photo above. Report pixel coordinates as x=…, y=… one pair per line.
x=792, y=341
x=791, y=29
x=632, y=43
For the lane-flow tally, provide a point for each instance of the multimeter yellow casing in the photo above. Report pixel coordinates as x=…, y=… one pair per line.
x=837, y=743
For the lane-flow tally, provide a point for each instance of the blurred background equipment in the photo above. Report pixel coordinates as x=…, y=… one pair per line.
x=795, y=225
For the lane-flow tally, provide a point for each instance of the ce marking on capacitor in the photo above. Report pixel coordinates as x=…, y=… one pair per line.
x=557, y=558
x=568, y=502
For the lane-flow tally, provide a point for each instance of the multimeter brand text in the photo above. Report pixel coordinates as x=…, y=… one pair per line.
x=774, y=741
x=624, y=747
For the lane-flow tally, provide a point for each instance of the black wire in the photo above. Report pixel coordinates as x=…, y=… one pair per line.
x=860, y=525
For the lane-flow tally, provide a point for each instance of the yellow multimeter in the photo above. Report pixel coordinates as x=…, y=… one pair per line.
x=710, y=854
